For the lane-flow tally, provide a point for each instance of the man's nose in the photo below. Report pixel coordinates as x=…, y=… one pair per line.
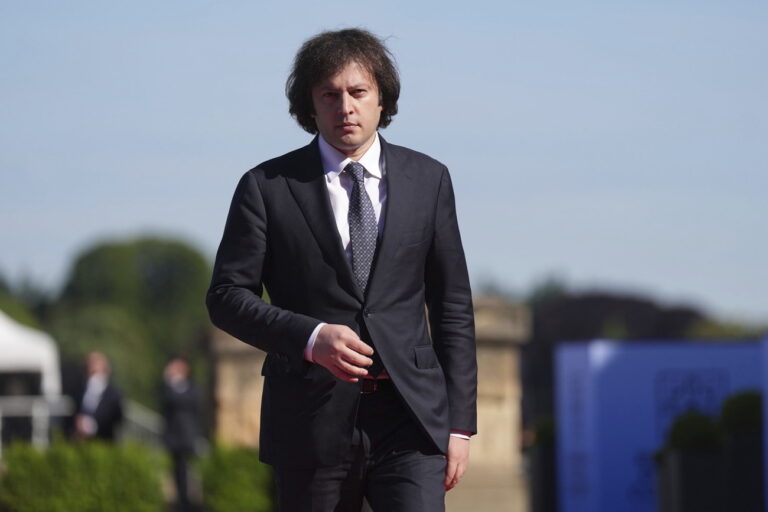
x=345, y=103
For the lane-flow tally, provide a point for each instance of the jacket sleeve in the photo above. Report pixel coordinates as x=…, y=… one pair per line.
x=234, y=297
x=451, y=317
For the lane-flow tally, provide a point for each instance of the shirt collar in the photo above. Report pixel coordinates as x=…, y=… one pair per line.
x=334, y=160
x=97, y=382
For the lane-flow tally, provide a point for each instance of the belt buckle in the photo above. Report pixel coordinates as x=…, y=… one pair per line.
x=369, y=386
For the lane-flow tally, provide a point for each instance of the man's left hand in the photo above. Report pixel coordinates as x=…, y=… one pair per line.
x=457, y=461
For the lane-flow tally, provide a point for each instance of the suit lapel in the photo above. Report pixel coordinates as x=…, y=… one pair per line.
x=311, y=193
x=402, y=198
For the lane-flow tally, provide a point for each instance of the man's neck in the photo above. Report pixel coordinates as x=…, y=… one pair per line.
x=357, y=153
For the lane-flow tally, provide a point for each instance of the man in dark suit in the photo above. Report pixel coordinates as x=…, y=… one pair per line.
x=370, y=376
x=180, y=404
x=100, y=407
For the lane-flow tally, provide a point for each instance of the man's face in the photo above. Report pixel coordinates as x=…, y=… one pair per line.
x=96, y=364
x=347, y=109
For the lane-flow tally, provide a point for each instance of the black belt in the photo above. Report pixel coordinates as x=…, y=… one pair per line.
x=371, y=386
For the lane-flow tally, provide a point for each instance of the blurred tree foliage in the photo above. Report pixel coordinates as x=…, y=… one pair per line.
x=140, y=301
x=136, y=360
x=160, y=283
x=14, y=307
x=84, y=477
x=711, y=329
x=233, y=478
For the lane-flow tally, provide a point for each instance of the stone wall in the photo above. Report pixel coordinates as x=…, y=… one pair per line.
x=500, y=327
x=237, y=390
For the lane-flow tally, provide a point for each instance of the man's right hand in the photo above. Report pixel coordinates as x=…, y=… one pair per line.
x=341, y=351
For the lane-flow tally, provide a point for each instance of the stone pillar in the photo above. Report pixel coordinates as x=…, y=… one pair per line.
x=501, y=327
x=237, y=388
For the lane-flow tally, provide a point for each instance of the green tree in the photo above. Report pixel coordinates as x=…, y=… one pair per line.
x=14, y=307
x=712, y=329
x=160, y=283
x=136, y=361
x=139, y=301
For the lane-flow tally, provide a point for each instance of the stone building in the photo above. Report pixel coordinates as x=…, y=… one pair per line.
x=501, y=328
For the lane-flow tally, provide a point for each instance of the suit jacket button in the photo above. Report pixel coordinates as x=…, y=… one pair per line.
x=367, y=313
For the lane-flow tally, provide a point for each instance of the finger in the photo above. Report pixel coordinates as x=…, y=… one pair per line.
x=341, y=375
x=360, y=347
x=353, y=358
x=450, y=475
x=350, y=369
x=456, y=478
x=460, y=469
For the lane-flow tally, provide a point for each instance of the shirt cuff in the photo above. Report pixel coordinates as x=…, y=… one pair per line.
x=311, y=342
x=460, y=434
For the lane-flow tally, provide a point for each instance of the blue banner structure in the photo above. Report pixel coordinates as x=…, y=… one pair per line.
x=616, y=400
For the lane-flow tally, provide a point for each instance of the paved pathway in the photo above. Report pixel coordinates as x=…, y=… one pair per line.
x=486, y=489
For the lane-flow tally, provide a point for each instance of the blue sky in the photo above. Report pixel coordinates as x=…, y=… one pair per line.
x=614, y=144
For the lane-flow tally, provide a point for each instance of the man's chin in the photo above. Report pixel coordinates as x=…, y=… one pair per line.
x=347, y=144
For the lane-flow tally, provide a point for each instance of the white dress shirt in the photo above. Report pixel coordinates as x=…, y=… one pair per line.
x=94, y=389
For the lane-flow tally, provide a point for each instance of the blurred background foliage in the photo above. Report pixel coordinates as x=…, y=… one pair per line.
x=233, y=478
x=15, y=307
x=126, y=477
x=158, y=283
x=141, y=300
x=138, y=300
x=86, y=477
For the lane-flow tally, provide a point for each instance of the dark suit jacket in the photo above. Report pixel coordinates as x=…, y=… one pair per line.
x=109, y=412
x=280, y=233
x=181, y=418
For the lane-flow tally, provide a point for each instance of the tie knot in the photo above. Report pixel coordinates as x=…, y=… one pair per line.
x=356, y=170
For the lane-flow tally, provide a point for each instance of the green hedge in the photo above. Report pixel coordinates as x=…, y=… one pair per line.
x=694, y=431
x=743, y=413
x=235, y=480
x=82, y=477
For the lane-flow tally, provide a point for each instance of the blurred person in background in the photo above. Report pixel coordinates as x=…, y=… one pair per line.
x=180, y=402
x=100, y=406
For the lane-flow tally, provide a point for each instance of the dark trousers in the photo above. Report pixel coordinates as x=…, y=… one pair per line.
x=181, y=479
x=393, y=464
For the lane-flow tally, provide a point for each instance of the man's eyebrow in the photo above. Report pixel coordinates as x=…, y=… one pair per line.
x=358, y=85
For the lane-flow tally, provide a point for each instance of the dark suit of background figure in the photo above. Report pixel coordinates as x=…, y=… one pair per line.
x=180, y=402
x=99, y=418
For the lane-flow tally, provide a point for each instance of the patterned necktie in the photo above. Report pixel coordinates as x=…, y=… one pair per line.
x=363, y=229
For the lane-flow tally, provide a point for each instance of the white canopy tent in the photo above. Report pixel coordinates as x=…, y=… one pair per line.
x=23, y=349
x=27, y=350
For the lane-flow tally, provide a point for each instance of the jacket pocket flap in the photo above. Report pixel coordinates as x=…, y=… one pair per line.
x=425, y=357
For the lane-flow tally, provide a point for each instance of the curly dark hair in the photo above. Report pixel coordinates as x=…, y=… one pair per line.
x=328, y=53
